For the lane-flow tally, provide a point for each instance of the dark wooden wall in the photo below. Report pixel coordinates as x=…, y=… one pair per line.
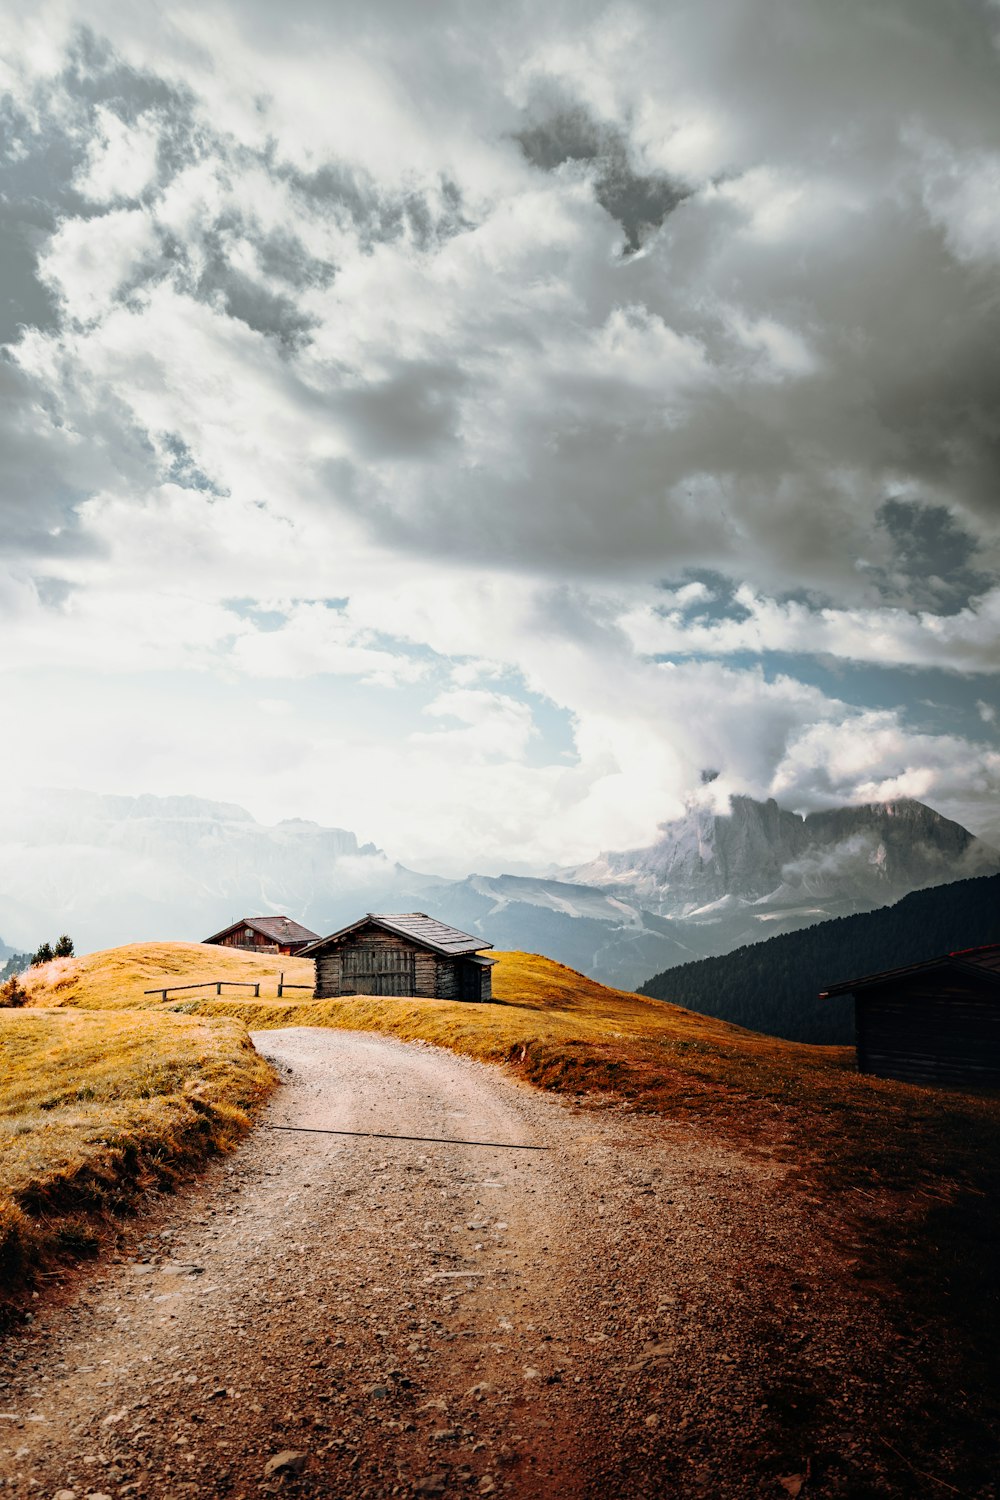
x=247, y=937
x=373, y=962
x=939, y=1028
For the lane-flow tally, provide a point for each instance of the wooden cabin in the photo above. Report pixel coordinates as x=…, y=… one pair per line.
x=265, y=935
x=936, y=1022
x=405, y=953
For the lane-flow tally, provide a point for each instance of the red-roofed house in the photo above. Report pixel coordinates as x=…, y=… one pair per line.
x=265, y=935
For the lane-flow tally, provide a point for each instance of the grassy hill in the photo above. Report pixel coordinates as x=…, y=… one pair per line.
x=908, y=1177
x=562, y=1029
x=774, y=986
x=116, y=978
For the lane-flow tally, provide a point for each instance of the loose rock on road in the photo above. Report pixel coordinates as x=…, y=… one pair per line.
x=331, y=1316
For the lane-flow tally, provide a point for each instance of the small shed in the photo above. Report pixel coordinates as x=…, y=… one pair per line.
x=936, y=1022
x=265, y=935
x=401, y=953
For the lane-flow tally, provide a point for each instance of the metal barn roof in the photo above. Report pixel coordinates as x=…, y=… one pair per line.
x=418, y=927
x=983, y=961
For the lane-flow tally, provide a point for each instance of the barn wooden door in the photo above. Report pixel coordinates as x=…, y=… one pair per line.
x=379, y=971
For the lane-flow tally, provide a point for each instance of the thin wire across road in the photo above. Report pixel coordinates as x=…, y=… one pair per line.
x=381, y=1135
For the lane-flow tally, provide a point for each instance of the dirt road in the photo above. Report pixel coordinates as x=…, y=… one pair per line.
x=632, y=1312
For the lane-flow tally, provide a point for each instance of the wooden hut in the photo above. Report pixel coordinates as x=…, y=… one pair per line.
x=936, y=1022
x=405, y=953
x=265, y=935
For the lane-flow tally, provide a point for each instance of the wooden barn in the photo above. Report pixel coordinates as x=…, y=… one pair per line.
x=405, y=953
x=936, y=1022
x=265, y=935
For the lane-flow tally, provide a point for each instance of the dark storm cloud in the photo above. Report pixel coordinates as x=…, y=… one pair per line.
x=44, y=149
x=934, y=558
x=640, y=202
x=261, y=307
x=377, y=215
x=43, y=476
x=795, y=372
x=179, y=467
x=36, y=167
x=412, y=412
x=95, y=74
x=23, y=299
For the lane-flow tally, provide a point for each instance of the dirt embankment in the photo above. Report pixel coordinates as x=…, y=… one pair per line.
x=635, y=1311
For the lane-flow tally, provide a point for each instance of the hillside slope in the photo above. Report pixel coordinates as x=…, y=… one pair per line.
x=99, y=1108
x=910, y=1177
x=774, y=986
x=117, y=978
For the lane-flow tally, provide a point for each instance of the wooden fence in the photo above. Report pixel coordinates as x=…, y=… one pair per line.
x=282, y=986
x=240, y=984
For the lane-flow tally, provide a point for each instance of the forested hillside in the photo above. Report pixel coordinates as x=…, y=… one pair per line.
x=774, y=986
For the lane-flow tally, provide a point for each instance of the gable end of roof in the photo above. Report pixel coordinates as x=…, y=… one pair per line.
x=983, y=963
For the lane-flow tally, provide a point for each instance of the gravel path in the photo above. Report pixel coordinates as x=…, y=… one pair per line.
x=633, y=1312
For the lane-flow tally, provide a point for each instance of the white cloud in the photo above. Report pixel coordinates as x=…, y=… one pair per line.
x=121, y=158
x=783, y=351
x=89, y=260
x=362, y=366
x=967, y=641
x=962, y=194
x=497, y=726
x=317, y=641
x=871, y=757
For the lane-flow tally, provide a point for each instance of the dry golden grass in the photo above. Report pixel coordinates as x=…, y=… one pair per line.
x=907, y=1178
x=116, y=977
x=912, y=1176
x=97, y=1108
x=560, y=1028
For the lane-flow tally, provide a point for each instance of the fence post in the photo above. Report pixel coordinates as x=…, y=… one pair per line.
x=281, y=984
x=256, y=991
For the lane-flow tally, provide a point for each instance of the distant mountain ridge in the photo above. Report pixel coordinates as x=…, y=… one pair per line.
x=589, y=930
x=114, y=869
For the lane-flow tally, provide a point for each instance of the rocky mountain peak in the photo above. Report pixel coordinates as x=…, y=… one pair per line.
x=758, y=851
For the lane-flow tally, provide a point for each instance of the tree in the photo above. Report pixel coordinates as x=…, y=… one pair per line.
x=63, y=947
x=42, y=954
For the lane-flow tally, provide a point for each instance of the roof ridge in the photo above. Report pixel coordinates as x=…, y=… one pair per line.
x=418, y=927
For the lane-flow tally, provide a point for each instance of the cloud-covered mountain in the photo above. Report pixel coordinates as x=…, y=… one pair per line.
x=122, y=869
x=118, y=869
x=758, y=868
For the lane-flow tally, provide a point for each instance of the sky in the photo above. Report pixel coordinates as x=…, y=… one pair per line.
x=470, y=424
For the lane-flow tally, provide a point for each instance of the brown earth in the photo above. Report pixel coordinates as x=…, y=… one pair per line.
x=638, y=1310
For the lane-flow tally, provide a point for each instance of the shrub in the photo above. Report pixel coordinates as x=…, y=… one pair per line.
x=13, y=992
